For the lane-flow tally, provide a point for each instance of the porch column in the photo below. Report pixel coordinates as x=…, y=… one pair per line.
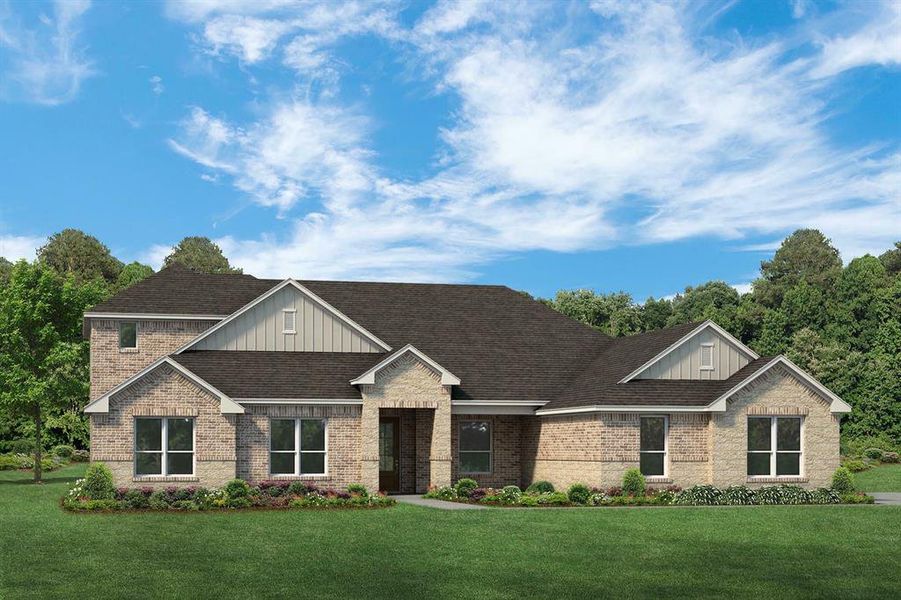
x=369, y=441
x=440, y=452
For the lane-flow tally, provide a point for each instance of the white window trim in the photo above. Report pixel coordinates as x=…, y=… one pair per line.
x=461, y=451
x=164, y=449
x=712, y=364
x=285, y=313
x=297, y=449
x=119, y=336
x=665, y=450
x=774, y=451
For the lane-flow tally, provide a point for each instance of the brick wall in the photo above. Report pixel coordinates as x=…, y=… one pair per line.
x=506, y=438
x=343, y=442
x=165, y=393
x=111, y=366
x=777, y=392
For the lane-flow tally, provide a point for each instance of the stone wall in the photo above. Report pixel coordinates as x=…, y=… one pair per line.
x=111, y=365
x=343, y=436
x=165, y=393
x=506, y=438
x=777, y=392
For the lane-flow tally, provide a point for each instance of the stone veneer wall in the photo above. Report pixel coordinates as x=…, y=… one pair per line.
x=776, y=393
x=110, y=366
x=165, y=393
x=343, y=435
x=506, y=438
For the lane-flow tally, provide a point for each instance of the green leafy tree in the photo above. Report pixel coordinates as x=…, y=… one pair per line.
x=891, y=259
x=74, y=252
x=6, y=268
x=655, y=313
x=854, y=317
x=806, y=255
x=200, y=254
x=614, y=314
x=131, y=274
x=43, y=360
x=716, y=300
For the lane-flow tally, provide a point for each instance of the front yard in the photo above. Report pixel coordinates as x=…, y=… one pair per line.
x=883, y=478
x=406, y=551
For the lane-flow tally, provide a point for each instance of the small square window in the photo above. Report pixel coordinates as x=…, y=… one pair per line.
x=289, y=317
x=707, y=357
x=128, y=334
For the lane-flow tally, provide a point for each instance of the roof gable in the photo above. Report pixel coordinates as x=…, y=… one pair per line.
x=368, y=378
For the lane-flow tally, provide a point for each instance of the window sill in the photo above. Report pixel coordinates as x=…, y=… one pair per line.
x=128, y=350
x=658, y=479
x=157, y=478
x=298, y=477
x=779, y=479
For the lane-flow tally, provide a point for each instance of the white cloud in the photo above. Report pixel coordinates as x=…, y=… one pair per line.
x=14, y=247
x=155, y=255
x=566, y=138
x=876, y=42
x=743, y=288
x=46, y=64
x=156, y=85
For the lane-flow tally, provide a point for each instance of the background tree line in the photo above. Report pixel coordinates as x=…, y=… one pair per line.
x=840, y=322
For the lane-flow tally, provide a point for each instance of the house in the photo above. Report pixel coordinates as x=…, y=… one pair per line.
x=202, y=378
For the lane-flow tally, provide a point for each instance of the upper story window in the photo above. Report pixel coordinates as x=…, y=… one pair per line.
x=653, y=446
x=706, y=357
x=298, y=447
x=289, y=318
x=774, y=446
x=475, y=446
x=128, y=334
x=164, y=446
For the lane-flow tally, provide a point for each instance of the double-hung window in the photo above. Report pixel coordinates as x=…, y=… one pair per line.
x=475, y=446
x=653, y=446
x=128, y=335
x=298, y=447
x=164, y=446
x=774, y=446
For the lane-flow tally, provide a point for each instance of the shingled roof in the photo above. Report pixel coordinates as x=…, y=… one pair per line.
x=503, y=345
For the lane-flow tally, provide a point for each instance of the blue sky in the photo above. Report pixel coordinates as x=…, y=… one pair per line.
x=633, y=146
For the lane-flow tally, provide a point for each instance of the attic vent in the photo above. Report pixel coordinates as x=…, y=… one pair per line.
x=290, y=316
x=707, y=357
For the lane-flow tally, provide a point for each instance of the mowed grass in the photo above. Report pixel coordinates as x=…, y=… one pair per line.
x=410, y=552
x=884, y=478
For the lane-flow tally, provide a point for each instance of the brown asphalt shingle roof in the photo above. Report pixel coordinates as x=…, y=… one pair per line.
x=503, y=345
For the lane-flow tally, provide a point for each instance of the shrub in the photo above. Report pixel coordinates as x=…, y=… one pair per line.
x=737, y=495
x=700, y=495
x=237, y=488
x=578, y=493
x=158, y=500
x=185, y=505
x=134, y=499
x=843, y=481
x=633, y=483
x=553, y=499
x=856, y=498
x=465, y=487
x=824, y=496
x=874, y=453
x=444, y=493
x=63, y=451
x=358, y=489
x=510, y=494
x=540, y=487
x=793, y=494
x=81, y=456
x=598, y=499
x=298, y=488
x=528, y=500
x=855, y=465
x=889, y=457
x=477, y=494
x=98, y=482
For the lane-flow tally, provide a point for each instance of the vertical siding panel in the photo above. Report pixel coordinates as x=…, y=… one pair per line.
x=308, y=310
x=326, y=333
x=317, y=329
x=355, y=343
x=336, y=336
x=345, y=338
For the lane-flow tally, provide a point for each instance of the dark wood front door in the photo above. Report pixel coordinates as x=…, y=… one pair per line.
x=389, y=451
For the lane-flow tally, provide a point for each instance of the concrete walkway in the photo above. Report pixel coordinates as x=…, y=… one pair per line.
x=887, y=497
x=432, y=503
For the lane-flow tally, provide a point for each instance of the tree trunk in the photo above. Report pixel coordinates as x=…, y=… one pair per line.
x=37, y=445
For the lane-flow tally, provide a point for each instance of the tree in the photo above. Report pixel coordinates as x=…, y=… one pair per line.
x=891, y=259
x=131, y=274
x=806, y=255
x=43, y=360
x=614, y=313
x=655, y=313
x=6, y=268
x=72, y=251
x=200, y=254
x=716, y=300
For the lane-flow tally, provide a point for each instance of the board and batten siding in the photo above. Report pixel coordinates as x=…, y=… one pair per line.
x=685, y=361
x=261, y=328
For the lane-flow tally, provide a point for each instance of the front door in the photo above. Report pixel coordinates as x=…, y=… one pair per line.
x=389, y=474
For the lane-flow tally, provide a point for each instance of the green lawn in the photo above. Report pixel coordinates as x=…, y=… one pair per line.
x=726, y=552
x=885, y=478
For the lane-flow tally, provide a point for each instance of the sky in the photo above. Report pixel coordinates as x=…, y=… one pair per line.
x=636, y=146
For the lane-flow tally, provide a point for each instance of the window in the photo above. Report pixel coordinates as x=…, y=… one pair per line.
x=297, y=447
x=289, y=316
x=128, y=334
x=774, y=446
x=475, y=446
x=653, y=446
x=706, y=357
x=164, y=446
